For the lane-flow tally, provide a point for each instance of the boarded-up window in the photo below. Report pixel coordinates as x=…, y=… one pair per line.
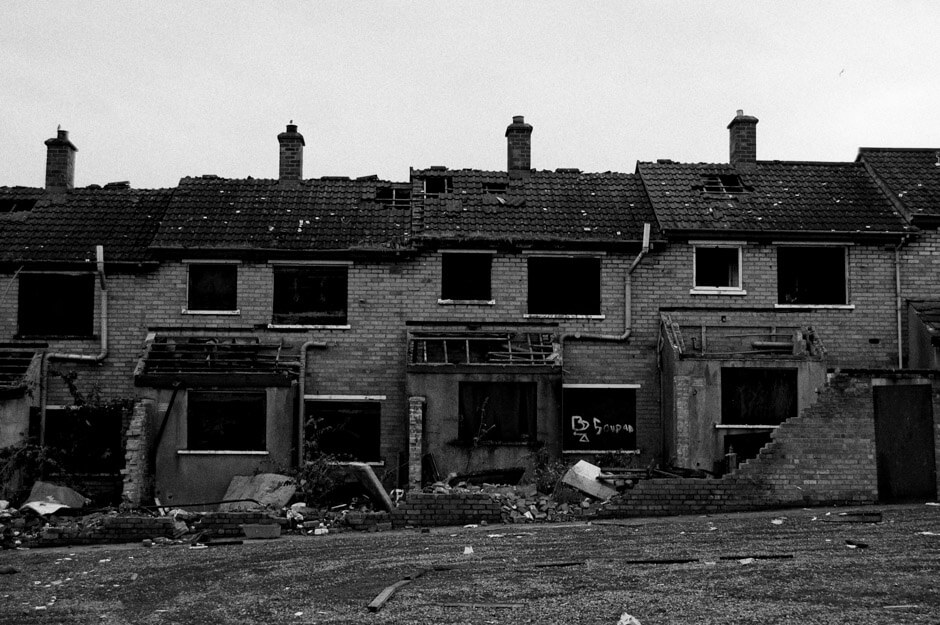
x=310, y=295
x=811, y=276
x=213, y=287
x=347, y=430
x=599, y=419
x=226, y=421
x=564, y=286
x=497, y=412
x=56, y=304
x=465, y=276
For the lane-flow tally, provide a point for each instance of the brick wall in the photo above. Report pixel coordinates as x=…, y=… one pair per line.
x=138, y=481
x=826, y=455
x=107, y=529
x=432, y=509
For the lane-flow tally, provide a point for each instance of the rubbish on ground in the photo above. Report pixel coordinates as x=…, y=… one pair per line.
x=925, y=533
x=769, y=556
x=48, y=492
x=387, y=593
x=471, y=525
x=467, y=550
x=269, y=489
x=370, y=481
x=583, y=477
x=852, y=544
x=627, y=619
x=777, y=521
x=320, y=531
x=198, y=546
x=42, y=508
x=932, y=503
x=746, y=561
x=509, y=475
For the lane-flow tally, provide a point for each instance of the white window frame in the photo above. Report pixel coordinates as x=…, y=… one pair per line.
x=189, y=262
x=718, y=290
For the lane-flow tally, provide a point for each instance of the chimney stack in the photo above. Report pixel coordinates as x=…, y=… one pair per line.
x=743, y=140
x=519, y=146
x=292, y=153
x=60, y=163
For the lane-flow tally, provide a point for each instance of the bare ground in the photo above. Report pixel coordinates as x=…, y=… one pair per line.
x=801, y=570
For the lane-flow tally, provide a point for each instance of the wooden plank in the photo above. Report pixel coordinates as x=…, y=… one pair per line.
x=382, y=598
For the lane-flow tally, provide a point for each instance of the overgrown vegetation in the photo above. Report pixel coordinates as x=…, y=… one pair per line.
x=548, y=471
x=24, y=463
x=316, y=478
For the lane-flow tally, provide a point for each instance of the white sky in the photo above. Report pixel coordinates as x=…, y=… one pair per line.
x=153, y=91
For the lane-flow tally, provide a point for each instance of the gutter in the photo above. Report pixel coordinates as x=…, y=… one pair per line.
x=301, y=389
x=627, y=302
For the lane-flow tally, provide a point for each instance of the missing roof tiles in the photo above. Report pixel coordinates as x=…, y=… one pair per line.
x=16, y=206
x=723, y=183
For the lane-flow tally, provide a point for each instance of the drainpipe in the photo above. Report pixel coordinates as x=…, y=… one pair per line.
x=97, y=358
x=301, y=388
x=897, y=296
x=627, y=302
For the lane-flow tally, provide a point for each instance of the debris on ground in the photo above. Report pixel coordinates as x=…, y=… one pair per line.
x=53, y=493
x=584, y=477
x=269, y=489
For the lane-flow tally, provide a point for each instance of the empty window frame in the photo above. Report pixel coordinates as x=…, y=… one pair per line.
x=226, y=421
x=722, y=183
x=393, y=196
x=495, y=188
x=212, y=287
x=812, y=276
x=311, y=295
x=438, y=185
x=717, y=268
x=564, y=286
x=465, y=276
x=347, y=430
x=497, y=412
x=52, y=304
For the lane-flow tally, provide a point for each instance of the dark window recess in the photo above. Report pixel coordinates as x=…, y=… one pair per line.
x=89, y=438
x=811, y=275
x=391, y=196
x=723, y=183
x=466, y=276
x=234, y=421
x=564, y=286
x=438, y=185
x=16, y=206
x=347, y=430
x=497, y=412
x=599, y=419
x=751, y=396
x=56, y=305
x=310, y=295
x=495, y=187
x=213, y=287
x=717, y=267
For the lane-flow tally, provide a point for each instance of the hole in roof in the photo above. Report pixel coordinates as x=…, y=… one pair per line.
x=723, y=183
x=16, y=206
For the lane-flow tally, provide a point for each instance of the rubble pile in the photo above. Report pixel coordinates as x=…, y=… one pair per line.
x=524, y=504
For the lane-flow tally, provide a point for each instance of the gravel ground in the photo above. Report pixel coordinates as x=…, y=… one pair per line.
x=789, y=566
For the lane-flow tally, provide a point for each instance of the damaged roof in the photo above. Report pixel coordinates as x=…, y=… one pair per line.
x=911, y=175
x=540, y=206
x=317, y=214
x=39, y=226
x=773, y=197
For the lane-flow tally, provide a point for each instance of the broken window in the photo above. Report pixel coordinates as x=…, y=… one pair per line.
x=722, y=183
x=755, y=397
x=53, y=304
x=497, y=412
x=393, y=196
x=564, y=286
x=495, y=188
x=438, y=185
x=811, y=276
x=226, y=421
x=599, y=418
x=347, y=430
x=89, y=437
x=465, y=276
x=717, y=268
x=314, y=295
x=213, y=287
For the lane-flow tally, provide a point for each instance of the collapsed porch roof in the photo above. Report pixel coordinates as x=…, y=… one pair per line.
x=475, y=348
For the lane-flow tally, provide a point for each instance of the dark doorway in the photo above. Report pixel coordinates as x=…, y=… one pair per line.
x=752, y=397
x=904, y=442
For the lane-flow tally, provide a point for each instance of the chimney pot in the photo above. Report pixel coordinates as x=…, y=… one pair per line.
x=60, y=162
x=291, y=165
x=519, y=147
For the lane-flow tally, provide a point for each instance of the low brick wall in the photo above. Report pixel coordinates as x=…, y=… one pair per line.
x=108, y=529
x=230, y=523
x=431, y=509
x=826, y=455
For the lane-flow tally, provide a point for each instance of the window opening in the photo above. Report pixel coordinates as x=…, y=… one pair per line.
x=466, y=276
x=347, y=430
x=16, y=206
x=438, y=185
x=723, y=183
x=564, y=286
x=213, y=287
x=392, y=196
x=497, y=412
x=718, y=267
x=310, y=295
x=56, y=304
x=811, y=276
x=494, y=188
x=226, y=421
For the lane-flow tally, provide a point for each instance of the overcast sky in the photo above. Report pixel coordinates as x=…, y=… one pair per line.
x=153, y=91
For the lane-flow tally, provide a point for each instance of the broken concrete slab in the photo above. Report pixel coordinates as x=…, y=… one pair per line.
x=370, y=481
x=583, y=476
x=272, y=490
x=52, y=493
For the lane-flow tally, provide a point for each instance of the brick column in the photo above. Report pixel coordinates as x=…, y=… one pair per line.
x=138, y=486
x=415, y=441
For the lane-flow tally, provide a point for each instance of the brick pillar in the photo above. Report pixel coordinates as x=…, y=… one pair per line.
x=415, y=441
x=138, y=481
